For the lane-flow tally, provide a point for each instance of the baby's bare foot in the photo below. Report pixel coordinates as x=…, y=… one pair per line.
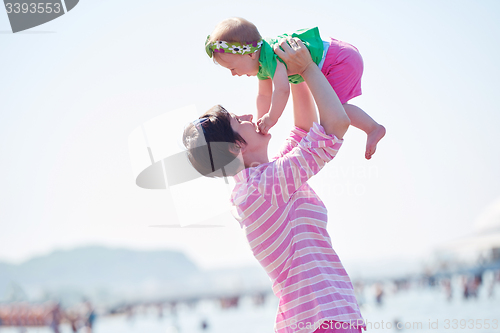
x=373, y=138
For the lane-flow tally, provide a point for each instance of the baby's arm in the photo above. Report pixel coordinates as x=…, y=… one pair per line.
x=264, y=97
x=278, y=100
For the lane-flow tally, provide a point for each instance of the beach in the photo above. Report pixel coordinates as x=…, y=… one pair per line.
x=416, y=307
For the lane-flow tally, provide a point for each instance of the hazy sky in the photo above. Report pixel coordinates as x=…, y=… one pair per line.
x=72, y=91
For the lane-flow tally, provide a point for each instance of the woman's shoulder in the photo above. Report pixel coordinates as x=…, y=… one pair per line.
x=248, y=174
x=248, y=181
x=294, y=137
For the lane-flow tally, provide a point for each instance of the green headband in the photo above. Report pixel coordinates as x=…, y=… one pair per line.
x=231, y=47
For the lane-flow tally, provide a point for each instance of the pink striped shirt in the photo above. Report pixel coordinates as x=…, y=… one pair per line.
x=285, y=223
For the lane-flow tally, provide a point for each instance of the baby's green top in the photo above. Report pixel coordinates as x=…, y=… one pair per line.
x=267, y=59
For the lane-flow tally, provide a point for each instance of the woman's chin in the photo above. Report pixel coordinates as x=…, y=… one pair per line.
x=268, y=135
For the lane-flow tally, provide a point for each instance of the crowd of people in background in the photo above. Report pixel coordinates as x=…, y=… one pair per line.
x=49, y=314
x=468, y=287
x=81, y=317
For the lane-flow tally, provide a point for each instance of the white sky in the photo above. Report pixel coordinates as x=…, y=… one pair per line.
x=72, y=90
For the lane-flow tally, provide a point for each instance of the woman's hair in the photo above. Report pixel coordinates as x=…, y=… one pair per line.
x=212, y=144
x=234, y=29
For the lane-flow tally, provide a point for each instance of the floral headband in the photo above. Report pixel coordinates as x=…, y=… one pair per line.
x=221, y=46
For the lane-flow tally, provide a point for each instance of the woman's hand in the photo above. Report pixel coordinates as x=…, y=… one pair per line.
x=295, y=54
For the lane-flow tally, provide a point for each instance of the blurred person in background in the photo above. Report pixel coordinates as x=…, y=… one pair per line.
x=379, y=293
x=73, y=319
x=54, y=317
x=447, y=288
x=89, y=317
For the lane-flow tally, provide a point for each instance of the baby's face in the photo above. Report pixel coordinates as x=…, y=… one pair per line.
x=247, y=64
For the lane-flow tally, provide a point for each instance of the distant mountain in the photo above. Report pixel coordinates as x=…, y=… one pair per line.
x=97, y=268
x=108, y=275
x=6, y=275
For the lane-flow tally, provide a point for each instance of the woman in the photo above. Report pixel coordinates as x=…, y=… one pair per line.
x=284, y=220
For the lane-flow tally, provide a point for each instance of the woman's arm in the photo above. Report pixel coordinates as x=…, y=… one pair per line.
x=331, y=112
x=304, y=110
x=285, y=175
x=304, y=115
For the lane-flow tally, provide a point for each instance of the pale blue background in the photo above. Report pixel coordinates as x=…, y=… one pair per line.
x=73, y=89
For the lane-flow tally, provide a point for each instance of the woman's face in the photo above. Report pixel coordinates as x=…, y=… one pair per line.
x=244, y=126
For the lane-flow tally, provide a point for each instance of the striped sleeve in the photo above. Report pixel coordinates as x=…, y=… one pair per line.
x=287, y=174
x=296, y=135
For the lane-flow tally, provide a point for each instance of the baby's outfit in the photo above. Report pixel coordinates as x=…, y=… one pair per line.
x=340, y=62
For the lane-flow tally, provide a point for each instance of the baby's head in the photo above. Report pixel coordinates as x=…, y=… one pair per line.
x=212, y=145
x=235, y=44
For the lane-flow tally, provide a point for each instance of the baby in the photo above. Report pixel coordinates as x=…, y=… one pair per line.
x=237, y=45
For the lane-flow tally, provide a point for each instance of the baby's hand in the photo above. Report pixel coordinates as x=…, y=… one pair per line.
x=265, y=123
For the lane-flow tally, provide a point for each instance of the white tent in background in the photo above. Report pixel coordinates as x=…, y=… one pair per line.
x=483, y=244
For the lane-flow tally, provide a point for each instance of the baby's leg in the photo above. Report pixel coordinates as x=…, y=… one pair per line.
x=343, y=68
x=360, y=119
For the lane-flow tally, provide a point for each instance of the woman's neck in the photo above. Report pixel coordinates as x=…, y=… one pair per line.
x=255, y=159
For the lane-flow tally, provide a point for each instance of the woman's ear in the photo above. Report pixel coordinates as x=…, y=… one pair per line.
x=237, y=148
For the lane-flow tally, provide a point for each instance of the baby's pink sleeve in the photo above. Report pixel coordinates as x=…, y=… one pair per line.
x=296, y=135
x=289, y=172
